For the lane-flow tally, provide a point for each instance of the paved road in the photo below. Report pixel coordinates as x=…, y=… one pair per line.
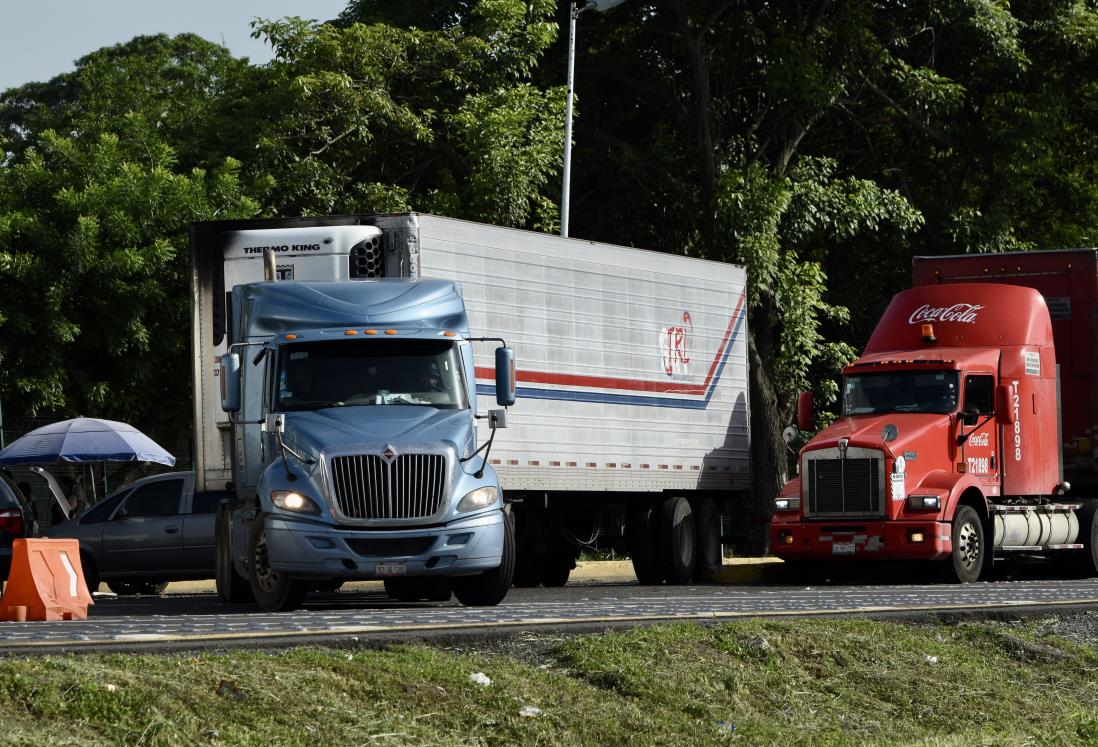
x=199, y=620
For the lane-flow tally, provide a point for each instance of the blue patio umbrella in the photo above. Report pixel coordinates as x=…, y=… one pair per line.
x=85, y=440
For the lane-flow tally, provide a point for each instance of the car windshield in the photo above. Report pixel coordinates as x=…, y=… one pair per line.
x=900, y=391
x=340, y=373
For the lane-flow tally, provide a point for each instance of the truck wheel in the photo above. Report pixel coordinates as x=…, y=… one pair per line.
x=675, y=540
x=967, y=560
x=1084, y=563
x=556, y=572
x=231, y=586
x=707, y=529
x=488, y=589
x=640, y=534
x=274, y=592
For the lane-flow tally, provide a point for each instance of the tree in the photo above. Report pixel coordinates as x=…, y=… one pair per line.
x=361, y=117
x=93, y=254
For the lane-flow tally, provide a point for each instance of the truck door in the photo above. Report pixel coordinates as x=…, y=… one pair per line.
x=980, y=452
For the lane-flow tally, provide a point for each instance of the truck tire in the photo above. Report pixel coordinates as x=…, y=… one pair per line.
x=640, y=536
x=967, y=561
x=273, y=592
x=1084, y=563
x=430, y=588
x=489, y=588
x=231, y=586
x=556, y=571
x=707, y=530
x=675, y=540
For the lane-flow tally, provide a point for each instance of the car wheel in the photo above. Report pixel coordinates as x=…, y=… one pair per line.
x=273, y=591
x=967, y=560
x=89, y=572
x=489, y=588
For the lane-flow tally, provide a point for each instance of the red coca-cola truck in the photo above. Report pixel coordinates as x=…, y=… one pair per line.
x=967, y=425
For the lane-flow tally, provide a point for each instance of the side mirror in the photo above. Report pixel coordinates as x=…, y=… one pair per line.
x=806, y=407
x=120, y=514
x=505, y=376
x=1004, y=404
x=230, y=382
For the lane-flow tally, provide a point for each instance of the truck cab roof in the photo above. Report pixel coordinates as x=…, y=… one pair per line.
x=274, y=308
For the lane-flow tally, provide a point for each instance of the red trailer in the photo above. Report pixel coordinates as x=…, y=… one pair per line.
x=949, y=443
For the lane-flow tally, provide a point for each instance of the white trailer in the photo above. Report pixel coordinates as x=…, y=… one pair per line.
x=631, y=428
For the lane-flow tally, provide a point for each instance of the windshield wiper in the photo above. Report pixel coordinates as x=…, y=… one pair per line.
x=311, y=405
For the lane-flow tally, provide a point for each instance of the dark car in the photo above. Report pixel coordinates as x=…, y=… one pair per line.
x=145, y=534
x=16, y=521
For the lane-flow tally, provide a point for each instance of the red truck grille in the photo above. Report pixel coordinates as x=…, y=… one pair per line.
x=411, y=486
x=844, y=487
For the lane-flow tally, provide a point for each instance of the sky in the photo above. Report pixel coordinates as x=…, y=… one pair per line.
x=40, y=39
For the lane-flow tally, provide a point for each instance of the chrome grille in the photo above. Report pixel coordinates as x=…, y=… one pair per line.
x=845, y=487
x=411, y=486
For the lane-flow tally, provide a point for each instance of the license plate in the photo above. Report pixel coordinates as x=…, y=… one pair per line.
x=391, y=569
x=842, y=548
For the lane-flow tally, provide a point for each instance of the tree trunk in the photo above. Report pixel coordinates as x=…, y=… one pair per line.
x=767, y=447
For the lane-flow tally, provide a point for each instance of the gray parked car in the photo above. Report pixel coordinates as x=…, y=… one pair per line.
x=145, y=534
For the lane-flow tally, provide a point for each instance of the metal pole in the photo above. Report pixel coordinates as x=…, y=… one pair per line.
x=566, y=177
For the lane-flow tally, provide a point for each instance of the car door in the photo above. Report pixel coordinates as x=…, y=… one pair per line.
x=198, y=533
x=145, y=537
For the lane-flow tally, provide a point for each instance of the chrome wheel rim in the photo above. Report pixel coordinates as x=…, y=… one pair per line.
x=968, y=545
x=267, y=578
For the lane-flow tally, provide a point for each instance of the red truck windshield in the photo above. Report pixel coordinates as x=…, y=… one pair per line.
x=900, y=391
x=313, y=375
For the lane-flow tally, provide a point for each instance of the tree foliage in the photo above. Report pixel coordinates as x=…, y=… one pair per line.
x=361, y=117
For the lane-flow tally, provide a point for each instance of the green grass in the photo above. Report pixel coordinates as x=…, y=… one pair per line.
x=790, y=682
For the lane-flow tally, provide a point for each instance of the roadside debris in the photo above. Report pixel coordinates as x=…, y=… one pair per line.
x=480, y=678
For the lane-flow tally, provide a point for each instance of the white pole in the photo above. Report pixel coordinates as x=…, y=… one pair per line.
x=567, y=174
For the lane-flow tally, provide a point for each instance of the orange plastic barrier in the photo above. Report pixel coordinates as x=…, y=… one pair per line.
x=45, y=582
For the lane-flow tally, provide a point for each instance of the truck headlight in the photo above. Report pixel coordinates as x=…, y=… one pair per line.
x=924, y=501
x=479, y=498
x=291, y=500
x=787, y=504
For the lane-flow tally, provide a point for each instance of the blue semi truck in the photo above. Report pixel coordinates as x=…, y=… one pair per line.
x=335, y=395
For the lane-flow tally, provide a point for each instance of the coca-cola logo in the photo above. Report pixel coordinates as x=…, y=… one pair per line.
x=979, y=439
x=965, y=313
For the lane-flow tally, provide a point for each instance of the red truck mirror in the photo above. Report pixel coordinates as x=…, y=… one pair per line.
x=805, y=411
x=1004, y=404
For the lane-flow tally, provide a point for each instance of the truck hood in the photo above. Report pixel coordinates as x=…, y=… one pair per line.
x=915, y=432
x=339, y=427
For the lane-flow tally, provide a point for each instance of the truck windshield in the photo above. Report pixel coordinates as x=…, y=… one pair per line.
x=313, y=375
x=900, y=391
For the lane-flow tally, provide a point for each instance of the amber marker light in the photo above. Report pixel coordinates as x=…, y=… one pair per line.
x=448, y=333
x=350, y=331
x=290, y=337
x=962, y=467
x=928, y=333
x=371, y=331
x=390, y=331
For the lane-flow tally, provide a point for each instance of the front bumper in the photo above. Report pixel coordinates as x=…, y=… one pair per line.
x=305, y=549
x=855, y=539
